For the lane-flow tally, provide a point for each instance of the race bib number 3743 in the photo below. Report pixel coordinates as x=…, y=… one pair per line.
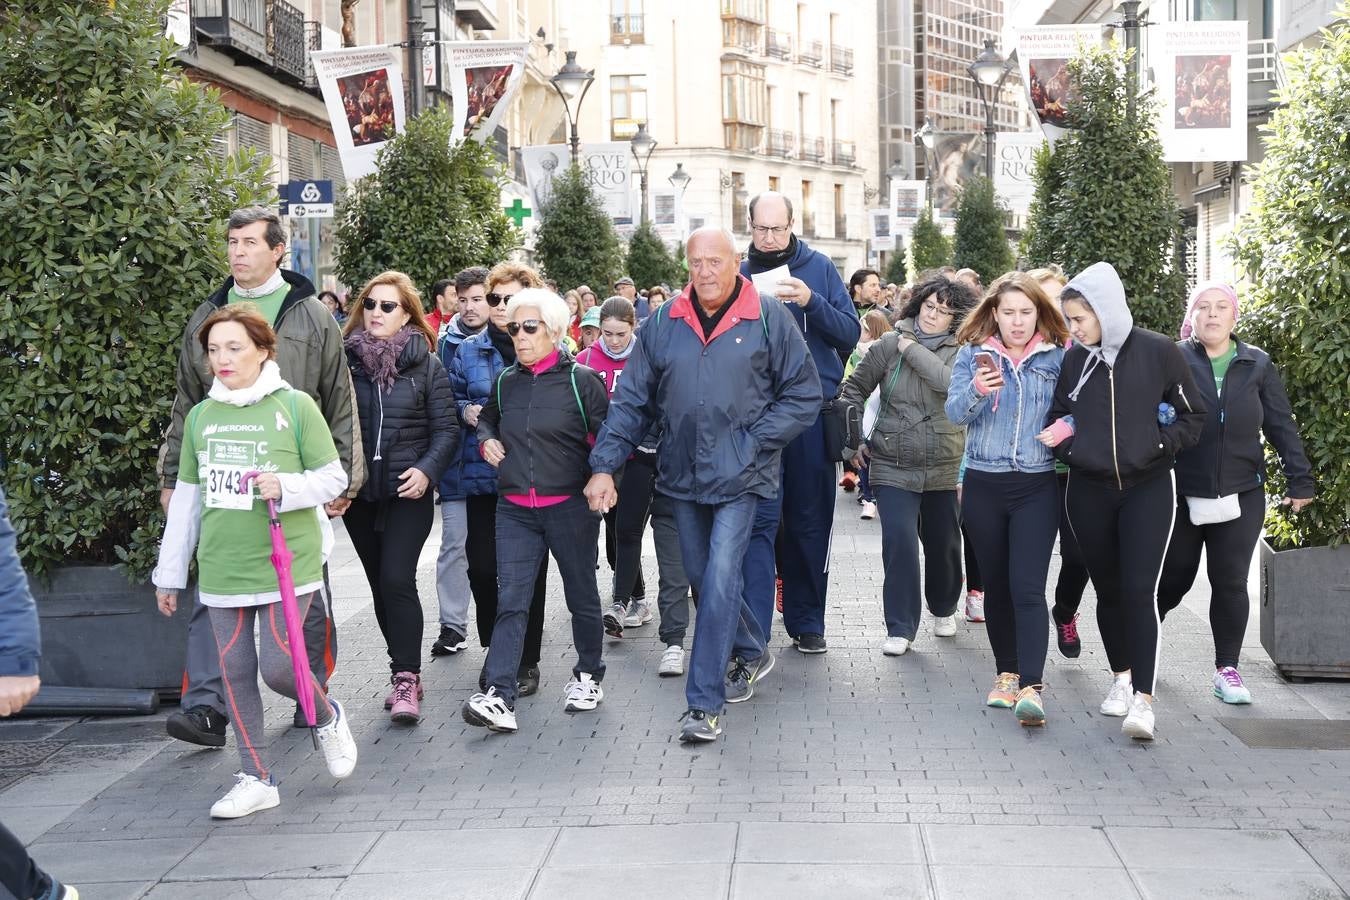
x=227, y=464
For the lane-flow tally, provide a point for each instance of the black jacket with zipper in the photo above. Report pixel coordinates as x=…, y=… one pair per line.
x=538, y=418
x=1117, y=437
x=1229, y=458
x=412, y=425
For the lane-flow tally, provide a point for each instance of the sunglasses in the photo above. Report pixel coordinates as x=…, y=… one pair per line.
x=386, y=306
x=530, y=326
x=497, y=299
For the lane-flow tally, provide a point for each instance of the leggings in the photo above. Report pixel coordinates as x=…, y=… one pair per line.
x=1073, y=573
x=973, y=580
x=1011, y=518
x=1228, y=550
x=480, y=547
x=627, y=521
x=1123, y=536
x=240, y=664
x=388, y=537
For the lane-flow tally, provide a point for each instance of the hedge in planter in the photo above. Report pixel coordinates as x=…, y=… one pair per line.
x=112, y=210
x=928, y=245
x=981, y=243
x=1292, y=245
x=576, y=242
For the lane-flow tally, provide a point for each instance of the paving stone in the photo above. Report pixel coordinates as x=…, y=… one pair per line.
x=786, y=842
x=504, y=883
x=1072, y=847
x=1163, y=884
x=794, y=881
x=277, y=889
x=1232, y=851
x=707, y=882
x=661, y=844
x=241, y=857
x=146, y=859
x=1031, y=883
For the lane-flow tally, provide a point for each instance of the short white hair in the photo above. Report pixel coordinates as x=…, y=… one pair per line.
x=553, y=311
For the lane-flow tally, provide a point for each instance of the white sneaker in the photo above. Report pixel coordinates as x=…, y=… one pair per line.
x=489, y=711
x=944, y=626
x=639, y=614
x=869, y=510
x=1139, y=723
x=337, y=743
x=1229, y=688
x=672, y=662
x=583, y=694
x=1117, y=702
x=895, y=646
x=249, y=795
x=975, y=606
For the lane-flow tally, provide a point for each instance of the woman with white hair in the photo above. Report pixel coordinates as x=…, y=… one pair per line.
x=536, y=429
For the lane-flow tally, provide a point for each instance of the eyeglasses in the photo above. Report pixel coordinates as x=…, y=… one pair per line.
x=776, y=230
x=934, y=310
x=495, y=299
x=386, y=306
x=531, y=326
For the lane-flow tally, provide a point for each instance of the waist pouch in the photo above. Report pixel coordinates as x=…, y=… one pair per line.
x=1213, y=510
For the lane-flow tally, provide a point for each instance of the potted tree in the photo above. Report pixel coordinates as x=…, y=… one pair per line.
x=114, y=201
x=1292, y=244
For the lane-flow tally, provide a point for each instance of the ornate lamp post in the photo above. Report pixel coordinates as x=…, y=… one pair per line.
x=642, y=145
x=989, y=70
x=572, y=82
x=927, y=138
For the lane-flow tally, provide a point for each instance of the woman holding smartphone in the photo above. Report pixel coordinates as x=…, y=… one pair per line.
x=1002, y=385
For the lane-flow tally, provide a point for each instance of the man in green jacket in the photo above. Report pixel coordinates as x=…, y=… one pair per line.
x=311, y=357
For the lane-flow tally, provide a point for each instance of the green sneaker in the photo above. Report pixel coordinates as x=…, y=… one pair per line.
x=699, y=726
x=743, y=676
x=1030, y=709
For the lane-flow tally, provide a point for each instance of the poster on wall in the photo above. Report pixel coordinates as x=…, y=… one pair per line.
x=1015, y=168
x=908, y=199
x=363, y=90
x=957, y=157
x=484, y=76
x=1202, y=70
x=1043, y=53
x=604, y=164
x=880, y=232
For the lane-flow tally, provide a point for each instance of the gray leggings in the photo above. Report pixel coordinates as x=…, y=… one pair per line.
x=240, y=664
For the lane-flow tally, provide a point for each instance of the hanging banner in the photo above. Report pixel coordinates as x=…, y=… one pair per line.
x=363, y=90
x=1203, y=72
x=908, y=199
x=957, y=157
x=1015, y=168
x=484, y=76
x=1043, y=52
x=606, y=166
x=542, y=164
x=879, y=229
x=178, y=22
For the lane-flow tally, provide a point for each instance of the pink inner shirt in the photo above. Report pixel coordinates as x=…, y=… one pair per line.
x=535, y=500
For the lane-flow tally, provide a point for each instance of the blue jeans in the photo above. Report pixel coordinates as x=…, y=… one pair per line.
x=524, y=536
x=761, y=563
x=713, y=539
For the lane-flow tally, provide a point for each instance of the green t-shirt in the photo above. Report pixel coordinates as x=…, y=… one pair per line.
x=268, y=304
x=282, y=433
x=1220, y=365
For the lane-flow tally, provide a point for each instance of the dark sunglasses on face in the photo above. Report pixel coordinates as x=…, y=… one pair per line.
x=386, y=306
x=531, y=326
x=495, y=299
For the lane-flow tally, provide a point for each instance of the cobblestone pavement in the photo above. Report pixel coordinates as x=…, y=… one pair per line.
x=849, y=773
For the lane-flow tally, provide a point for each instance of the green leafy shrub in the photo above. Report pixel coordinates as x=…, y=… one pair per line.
x=576, y=242
x=928, y=245
x=429, y=211
x=896, y=271
x=1292, y=246
x=981, y=243
x=650, y=261
x=1041, y=241
x=112, y=230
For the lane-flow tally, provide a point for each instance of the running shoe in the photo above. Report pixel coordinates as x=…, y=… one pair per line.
x=869, y=510
x=639, y=614
x=614, y=619
x=449, y=643
x=527, y=681
x=1229, y=688
x=975, y=606
x=672, y=662
x=250, y=794
x=944, y=626
x=778, y=594
x=895, y=646
x=200, y=725
x=810, y=643
x=1117, y=702
x=1004, y=694
x=1030, y=707
x=743, y=676
x=389, y=700
x=489, y=711
x=1139, y=723
x=1066, y=635
x=848, y=482
x=407, y=691
x=583, y=694
x=337, y=743
x=699, y=727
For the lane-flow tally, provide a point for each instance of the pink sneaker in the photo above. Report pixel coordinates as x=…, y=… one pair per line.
x=407, y=691
x=393, y=693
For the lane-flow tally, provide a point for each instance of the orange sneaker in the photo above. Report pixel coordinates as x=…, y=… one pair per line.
x=1030, y=708
x=1004, y=694
x=848, y=482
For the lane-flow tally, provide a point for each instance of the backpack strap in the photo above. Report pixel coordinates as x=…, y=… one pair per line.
x=886, y=395
x=577, y=394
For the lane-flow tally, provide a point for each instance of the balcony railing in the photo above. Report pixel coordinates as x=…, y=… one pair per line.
x=778, y=44
x=841, y=60
x=811, y=54
x=626, y=29
x=808, y=224
x=813, y=148
x=1263, y=62
x=238, y=26
x=781, y=143
x=288, y=41
x=313, y=41
x=844, y=153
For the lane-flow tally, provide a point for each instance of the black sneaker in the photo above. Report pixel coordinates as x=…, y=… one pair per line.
x=810, y=643
x=200, y=725
x=699, y=727
x=1066, y=634
x=527, y=681
x=449, y=643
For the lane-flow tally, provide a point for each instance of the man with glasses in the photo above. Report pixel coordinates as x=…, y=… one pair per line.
x=820, y=304
x=311, y=358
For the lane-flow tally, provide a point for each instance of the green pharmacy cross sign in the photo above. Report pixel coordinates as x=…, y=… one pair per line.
x=517, y=212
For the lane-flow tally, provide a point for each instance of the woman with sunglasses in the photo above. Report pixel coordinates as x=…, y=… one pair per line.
x=537, y=429
x=409, y=435
x=478, y=362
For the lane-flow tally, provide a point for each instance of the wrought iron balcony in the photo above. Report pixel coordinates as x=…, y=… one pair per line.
x=778, y=44
x=813, y=148
x=812, y=53
x=841, y=60
x=626, y=29
x=313, y=41
x=781, y=143
x=844, y=153
x=238, y=27
x=289, y=56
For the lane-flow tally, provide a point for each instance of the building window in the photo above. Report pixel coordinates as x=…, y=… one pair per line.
x=626, y=23
x=627, y=105
x=808, y=211
x=840, y=219
x=743, y=104
x=740, y=214
x=773, y=183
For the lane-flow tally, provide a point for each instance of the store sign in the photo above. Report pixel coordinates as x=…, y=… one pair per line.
x=307, y=199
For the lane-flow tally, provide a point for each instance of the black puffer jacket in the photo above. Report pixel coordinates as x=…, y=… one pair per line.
x=413, y=425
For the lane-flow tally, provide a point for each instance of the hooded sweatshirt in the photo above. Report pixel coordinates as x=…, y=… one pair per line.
x=1113, y=392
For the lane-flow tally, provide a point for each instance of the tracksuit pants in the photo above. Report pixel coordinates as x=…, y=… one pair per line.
x=908, y=518
x=452, y=566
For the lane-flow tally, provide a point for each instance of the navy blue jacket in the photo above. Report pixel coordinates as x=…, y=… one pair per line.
x=474, y=365
x=20, y=647
x=829, y=321
x=728, y=404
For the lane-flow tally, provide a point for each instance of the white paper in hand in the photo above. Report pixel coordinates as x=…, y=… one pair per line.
x=766, y=283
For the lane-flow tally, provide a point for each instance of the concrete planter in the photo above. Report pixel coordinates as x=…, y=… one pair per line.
x=1304, y=597
x=101, y=630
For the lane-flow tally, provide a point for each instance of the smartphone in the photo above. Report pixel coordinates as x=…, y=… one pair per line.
x=985, y=361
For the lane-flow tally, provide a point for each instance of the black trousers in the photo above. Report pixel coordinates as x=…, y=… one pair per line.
x=18, y=873
x=388, y=537
x=1073, y=573
x=1123, y=536
x=480, y=548
x=1228, y=550
x=627, y=521
x=973, y=580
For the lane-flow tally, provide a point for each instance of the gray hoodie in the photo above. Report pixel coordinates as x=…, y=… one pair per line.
x=1101, y=287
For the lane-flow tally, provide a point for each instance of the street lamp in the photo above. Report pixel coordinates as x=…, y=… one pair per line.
x=642, y=145
x=989, y=70
x=572, y=82
x=679, y=180
x=928, y=138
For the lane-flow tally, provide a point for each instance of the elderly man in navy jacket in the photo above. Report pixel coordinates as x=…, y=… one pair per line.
x=730, y=376
x=823, y=310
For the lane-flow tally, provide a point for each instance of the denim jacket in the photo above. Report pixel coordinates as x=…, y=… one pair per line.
x=1001, y=427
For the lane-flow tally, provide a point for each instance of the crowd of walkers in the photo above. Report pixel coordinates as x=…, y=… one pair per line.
x=995, y=423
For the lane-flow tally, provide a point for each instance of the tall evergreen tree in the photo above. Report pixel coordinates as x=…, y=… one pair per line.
x=576, y=242
x=981, y=243
x=649, y=259
x=928, y=245
x=896, y=271
x=1041, y=241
